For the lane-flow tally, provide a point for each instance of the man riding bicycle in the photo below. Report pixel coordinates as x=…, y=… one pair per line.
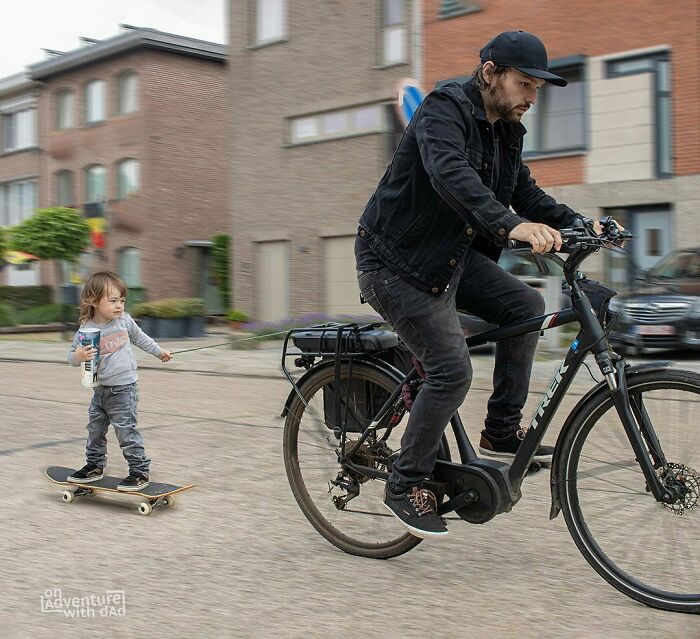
x=428, y=242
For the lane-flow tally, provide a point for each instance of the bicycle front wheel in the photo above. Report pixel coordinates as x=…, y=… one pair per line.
x=344, y=506
x=645, y=549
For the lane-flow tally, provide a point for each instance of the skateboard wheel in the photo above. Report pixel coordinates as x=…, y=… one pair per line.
x=145, y=508
x=169, y=501
x=68, y=496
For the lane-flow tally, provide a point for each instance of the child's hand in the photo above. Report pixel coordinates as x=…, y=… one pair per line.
x=165, y=356
x=84, y=353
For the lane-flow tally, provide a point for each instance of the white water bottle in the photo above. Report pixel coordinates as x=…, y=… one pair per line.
x=88, y=369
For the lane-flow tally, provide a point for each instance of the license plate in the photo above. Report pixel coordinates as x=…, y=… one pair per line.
x=655, y=329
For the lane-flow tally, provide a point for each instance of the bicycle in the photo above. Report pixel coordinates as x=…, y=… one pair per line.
x=630, y=504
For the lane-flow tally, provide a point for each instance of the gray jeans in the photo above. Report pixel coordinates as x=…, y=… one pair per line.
x=429, y=326
x=116, y=405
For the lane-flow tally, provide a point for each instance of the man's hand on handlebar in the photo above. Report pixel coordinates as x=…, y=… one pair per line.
x=599, y=228
x=540, y=236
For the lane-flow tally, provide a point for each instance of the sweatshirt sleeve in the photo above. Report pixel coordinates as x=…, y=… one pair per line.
x=140, y=339
x=73, y=346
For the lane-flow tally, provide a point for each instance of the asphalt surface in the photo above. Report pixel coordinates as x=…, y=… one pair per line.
x=236, y=557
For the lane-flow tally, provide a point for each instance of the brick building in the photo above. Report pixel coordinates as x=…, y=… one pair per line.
x=20, y=163
x=135, y=126
x=623, y=137
x=311, y=90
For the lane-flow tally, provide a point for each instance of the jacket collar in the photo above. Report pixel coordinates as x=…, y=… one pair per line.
x=512, y=132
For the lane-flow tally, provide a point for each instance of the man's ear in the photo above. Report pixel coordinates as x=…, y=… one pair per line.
x=487, y=71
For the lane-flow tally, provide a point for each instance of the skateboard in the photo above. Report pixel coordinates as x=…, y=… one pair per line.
x=154, y=495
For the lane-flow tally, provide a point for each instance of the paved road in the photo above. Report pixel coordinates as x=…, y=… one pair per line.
x=236, y=558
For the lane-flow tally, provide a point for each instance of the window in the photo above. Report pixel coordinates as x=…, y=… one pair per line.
x=63, y=189
x=65, y=109
x=127, y=178
x=95, y=102
x=338, y=124
x=394, y=32
x=270, y=19
x=17, y=201
x=129, y=266
x=556, y=122
x=95, y=183
x=127, y=93
x=660, y=65
x=19, y=129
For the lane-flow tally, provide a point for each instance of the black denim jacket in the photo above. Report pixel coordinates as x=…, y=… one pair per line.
x=448, y=188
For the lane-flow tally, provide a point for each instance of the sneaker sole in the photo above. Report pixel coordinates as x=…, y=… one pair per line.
x=416, y=532
x=542, y=459
x=131, y=489
x=86, y=480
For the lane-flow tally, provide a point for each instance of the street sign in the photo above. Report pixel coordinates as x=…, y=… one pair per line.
x=409, y=97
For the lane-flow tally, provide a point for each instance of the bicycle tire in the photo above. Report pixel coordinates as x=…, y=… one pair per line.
x=397, y=545
x=666, y=389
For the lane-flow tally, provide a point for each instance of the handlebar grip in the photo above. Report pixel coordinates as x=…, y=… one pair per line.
x=517, y=244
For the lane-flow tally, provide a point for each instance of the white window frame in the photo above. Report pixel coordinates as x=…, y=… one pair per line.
x=65, y=109
x=394, y=32
x=316, y=126
x=123, y=166
x=270, y=21
x=19, y=129
x=13, y=211
x=95, y=103
x=127, y=93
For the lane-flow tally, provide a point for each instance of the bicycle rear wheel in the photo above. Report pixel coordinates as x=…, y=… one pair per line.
x=359, y=525
x=646, y=549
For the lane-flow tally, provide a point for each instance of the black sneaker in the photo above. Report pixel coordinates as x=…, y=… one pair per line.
x=86, y=474
x=415, y=509
x=135, y=481
x=506, y=447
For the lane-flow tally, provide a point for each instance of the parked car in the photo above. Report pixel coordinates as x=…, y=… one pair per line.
x=664, y=311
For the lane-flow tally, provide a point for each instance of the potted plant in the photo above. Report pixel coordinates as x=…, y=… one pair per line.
x=236, y=319
x=171, y=317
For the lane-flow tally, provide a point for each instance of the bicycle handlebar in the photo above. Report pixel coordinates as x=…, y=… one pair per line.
x=582, y=233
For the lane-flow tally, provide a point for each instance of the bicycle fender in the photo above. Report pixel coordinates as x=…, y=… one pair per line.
x=590, y=396
x=387, y=368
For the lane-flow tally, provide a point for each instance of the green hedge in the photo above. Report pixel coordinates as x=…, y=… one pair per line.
x=171, y=308
x=7, y=315
x=48, y=314
x=23, y=297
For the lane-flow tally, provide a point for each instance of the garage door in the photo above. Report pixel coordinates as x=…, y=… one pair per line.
x=342, y=294
x=273, y=281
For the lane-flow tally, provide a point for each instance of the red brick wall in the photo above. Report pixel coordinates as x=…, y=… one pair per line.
x=588, y=27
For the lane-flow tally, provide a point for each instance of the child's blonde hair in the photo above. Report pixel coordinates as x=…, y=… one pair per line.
x=96, y=287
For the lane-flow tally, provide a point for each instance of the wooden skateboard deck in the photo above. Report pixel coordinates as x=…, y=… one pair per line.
x=155, y=494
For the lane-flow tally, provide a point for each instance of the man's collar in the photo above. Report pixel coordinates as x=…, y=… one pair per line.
x=512, y=131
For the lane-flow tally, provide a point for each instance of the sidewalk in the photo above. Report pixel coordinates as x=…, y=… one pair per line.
x=265, y=361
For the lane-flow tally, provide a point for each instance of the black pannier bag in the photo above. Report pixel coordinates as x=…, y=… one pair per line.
x=364, y=397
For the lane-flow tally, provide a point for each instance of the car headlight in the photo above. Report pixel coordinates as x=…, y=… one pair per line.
x=695, y=310
x=617, y=306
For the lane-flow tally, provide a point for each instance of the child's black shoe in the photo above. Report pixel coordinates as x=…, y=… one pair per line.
x=86, y=474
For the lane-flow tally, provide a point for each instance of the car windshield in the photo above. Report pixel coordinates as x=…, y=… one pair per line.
x=677, y=266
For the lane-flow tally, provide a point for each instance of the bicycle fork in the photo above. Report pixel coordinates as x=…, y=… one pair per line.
x=640, y=432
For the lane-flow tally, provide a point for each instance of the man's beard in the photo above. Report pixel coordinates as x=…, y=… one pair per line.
x=501, y=106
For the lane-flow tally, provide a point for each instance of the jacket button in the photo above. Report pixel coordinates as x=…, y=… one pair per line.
x=501, y=232
x=453, y=262
x=362, y=232
x=434, y=289
x=469, y=230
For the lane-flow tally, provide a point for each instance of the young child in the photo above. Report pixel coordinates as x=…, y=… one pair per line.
x=116, y=396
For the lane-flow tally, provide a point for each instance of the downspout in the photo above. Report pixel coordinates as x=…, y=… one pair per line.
x=417, y=41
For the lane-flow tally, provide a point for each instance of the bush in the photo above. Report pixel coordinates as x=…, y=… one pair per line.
x=23, y=297
x=52, y=234
x=48, y=314
x=236, y=316
x=220, y=265
x=170, y=308
x=7, y=315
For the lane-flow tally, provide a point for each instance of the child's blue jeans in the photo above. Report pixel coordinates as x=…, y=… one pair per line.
x=116, y=405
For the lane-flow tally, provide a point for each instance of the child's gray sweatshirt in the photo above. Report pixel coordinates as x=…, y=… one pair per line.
x=117, y=364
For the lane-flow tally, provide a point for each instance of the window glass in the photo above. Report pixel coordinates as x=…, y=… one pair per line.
x=95, y=184
x=127, y=178
x=334, y=123
x=367, y=118
x=65, y=110
x=64, y=189
x=127, y=93
x=95, y=101
x=305, y=128
x=270, y=19
x=130, y=266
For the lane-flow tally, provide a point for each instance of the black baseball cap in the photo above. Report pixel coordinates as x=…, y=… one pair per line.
x=522, y=51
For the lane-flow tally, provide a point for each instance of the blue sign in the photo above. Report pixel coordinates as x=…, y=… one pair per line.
x=410, y=95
